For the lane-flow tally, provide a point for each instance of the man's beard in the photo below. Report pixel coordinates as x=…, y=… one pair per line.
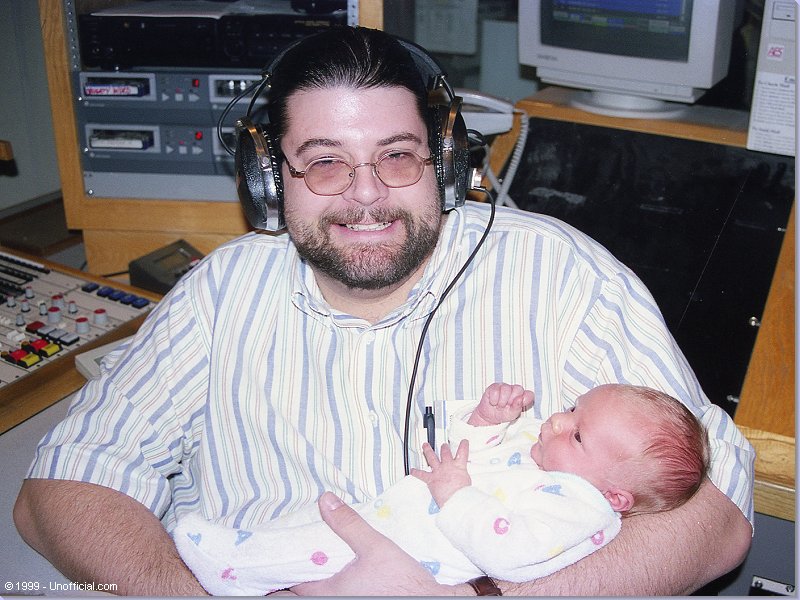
x=368, y=266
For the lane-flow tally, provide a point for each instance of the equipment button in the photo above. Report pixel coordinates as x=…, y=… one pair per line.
x=56, y=334
x=140, y=302
x=49, y=350
x=35, y=345
x=28, y=360
x=34, y=327
x=68, y=339
x=44, y=330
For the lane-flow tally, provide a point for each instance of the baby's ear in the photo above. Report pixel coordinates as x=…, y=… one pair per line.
x=620, y=500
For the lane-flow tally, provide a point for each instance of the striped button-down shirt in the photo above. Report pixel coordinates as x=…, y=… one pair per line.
x=245, y=395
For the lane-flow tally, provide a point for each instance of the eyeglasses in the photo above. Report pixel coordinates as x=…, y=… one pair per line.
x=330, y=176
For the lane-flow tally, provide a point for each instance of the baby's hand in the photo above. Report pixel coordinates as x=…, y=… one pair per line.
x=448, y=474
x=501, y=403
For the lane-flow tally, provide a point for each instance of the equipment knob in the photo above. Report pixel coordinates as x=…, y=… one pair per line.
x=58, y=300
x=53, y=315
x=20, y=319
x=72, y=307
x=24, y=306
x=81, y=325
x=11, y=302
x=42, y=309
x=100, y=316
x=28, y=291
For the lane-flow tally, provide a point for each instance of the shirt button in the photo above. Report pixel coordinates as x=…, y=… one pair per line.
x=373, y=416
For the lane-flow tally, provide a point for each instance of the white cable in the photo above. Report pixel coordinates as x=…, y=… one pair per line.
x=503, y=199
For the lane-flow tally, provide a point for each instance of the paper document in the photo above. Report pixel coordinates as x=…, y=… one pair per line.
x=772, y=114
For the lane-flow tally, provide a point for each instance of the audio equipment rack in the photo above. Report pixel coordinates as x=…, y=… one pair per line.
x=48, y=314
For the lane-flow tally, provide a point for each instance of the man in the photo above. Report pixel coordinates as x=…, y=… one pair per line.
x=278, y=369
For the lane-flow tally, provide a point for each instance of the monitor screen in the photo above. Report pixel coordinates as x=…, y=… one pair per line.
x=645, y=28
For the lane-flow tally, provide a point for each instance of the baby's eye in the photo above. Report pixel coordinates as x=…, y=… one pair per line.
x=571, y=409
x=578, y=436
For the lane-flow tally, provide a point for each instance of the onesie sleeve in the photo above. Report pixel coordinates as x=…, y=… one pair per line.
x=485, y=436
x=546, y=526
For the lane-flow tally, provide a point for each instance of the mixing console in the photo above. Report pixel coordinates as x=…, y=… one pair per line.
x=48, y=315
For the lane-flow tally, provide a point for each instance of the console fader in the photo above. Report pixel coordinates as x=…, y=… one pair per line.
x=47, y=314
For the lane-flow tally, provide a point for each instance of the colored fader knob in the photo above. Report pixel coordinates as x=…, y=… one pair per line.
x=82, y=325
x=100, y=316
x=53, y=315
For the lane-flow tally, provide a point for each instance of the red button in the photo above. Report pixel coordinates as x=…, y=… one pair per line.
x=34, y=327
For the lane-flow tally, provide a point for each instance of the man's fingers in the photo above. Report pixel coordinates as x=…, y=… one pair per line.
x=347, y=523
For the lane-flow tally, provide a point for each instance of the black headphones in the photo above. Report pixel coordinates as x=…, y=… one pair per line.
x=258, y=164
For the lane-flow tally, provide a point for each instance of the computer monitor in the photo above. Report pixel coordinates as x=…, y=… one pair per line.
x=634, y=58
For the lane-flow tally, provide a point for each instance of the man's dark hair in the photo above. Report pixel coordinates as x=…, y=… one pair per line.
x=355, y=57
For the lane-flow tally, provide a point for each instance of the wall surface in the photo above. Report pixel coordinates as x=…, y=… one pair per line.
x=24, y=109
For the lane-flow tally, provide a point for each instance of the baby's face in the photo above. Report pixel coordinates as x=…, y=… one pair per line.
x=590, y=439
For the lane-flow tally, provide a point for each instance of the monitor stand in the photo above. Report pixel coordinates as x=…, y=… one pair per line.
x=626, y=106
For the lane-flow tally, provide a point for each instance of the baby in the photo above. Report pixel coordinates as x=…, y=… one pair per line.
x=518, y=500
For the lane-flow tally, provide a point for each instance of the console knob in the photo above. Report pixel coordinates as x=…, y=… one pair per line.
x=100, y=316
x=53, y=315
x=82, y=325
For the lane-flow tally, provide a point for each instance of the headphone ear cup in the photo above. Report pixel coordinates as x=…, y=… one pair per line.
x=258, y=176
x=451, y=154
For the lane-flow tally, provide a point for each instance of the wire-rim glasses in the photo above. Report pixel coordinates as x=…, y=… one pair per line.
x=330, y=175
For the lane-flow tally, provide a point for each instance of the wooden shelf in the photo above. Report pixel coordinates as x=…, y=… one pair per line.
x=700, y=123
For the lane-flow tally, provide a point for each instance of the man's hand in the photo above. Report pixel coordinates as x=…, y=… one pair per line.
x=380, y=568
x=501, y=403
x=448, y=474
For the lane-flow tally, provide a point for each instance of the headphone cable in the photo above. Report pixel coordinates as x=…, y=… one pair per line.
x=470, y=258
x=256, y=84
